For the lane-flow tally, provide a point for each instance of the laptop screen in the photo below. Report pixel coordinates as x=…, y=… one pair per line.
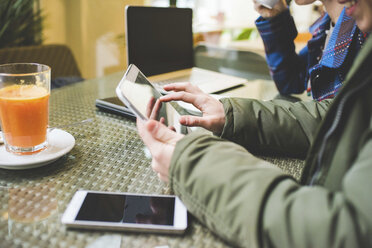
x=159, y=40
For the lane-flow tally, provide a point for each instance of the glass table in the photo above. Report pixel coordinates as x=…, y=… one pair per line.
x=108, y=156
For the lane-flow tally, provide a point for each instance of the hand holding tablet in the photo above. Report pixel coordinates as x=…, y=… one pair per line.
x=139, y=95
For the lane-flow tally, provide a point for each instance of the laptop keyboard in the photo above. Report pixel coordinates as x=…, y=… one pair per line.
x=172, y=80
x=159, y=85
x=200, y=78
x=207, y=81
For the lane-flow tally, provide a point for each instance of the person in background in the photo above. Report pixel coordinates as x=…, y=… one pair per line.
x=251, y=203
x=321, y=66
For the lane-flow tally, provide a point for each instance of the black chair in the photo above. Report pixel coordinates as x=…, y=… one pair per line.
x=59, y=57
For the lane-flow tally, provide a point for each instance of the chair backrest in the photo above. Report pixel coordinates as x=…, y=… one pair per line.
x=246, y=64
x=58, y=57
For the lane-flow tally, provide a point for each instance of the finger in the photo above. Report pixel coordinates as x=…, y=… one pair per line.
x=155, y=110
x=182, y=96
x=163, y=136
x=161, y=133
x=162, y=120
x=194, y=121
x=155, y=135
x=146, y=135
x=185, y=86
x=150, y=106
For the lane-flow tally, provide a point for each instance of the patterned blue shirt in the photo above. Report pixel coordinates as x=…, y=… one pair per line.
x=321, y=71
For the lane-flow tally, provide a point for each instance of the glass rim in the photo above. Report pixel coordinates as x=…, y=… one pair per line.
x=47, y=68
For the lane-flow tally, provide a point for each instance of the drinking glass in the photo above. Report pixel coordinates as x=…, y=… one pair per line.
x=24, y=106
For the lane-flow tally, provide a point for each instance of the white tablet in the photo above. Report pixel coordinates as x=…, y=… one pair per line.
x=127, y=212
x=137, y=92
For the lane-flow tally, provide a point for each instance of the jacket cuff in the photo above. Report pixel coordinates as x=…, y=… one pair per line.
x=228, y=128
x=180, y=147
x=233, y=129
x=280, y=28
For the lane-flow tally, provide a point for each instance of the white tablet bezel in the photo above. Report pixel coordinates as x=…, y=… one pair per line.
x=69, y=216
x=131, y=75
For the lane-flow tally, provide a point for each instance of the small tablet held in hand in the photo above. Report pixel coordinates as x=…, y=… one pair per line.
x=136, y=92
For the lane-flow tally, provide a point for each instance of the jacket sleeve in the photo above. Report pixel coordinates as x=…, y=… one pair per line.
x=217, y=180
x=250, y=203
x=287, y=68
x=277, y=126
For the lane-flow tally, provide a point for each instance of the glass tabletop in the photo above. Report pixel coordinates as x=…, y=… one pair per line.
x=108, y=156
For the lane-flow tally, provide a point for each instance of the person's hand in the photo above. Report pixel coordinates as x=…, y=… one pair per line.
x=161, y=142
x=278, y=8
x=213, y=118
x=153, y=110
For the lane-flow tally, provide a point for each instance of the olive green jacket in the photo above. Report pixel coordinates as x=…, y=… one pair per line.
x=248, y=202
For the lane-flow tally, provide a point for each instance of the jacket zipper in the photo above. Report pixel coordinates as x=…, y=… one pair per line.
x=334, y=126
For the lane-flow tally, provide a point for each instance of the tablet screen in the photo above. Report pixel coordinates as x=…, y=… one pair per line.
x=127, y=209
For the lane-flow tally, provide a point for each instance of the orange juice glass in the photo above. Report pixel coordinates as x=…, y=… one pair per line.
x=24, y=106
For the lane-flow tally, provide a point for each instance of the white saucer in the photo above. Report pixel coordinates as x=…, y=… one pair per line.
x=60, y=143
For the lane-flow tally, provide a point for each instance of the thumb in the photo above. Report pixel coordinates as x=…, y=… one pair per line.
x=161, y=133
x=145, y=134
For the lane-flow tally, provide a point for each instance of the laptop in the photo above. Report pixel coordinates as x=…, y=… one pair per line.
x=160, y=42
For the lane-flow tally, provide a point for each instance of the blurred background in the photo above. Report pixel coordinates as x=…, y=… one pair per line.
x=94, y=29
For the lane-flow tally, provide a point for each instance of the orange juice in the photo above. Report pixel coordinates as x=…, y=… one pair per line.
x=24, y=114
